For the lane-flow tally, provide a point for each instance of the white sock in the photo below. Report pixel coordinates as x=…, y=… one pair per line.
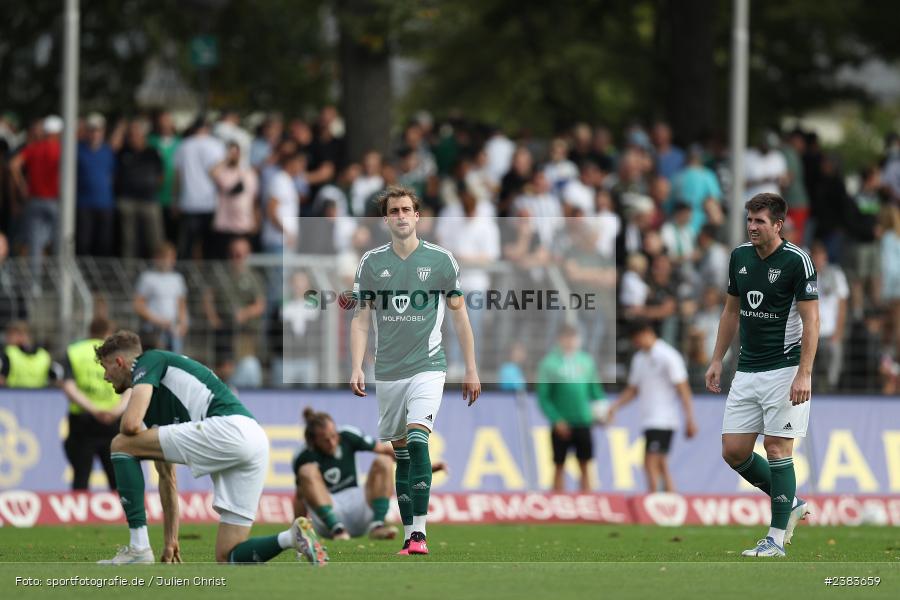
x=777, y=535
x=419, y=524
x=140, y=539
x=286, y=540
x=407, y=531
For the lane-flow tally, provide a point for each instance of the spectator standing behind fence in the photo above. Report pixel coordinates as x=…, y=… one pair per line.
x=138, y=178
x=237, y=212
x=166, y=143
x=567, y=384
x=94, y=408
x=197, y=195
x=10, y=196
x=24, y=364
x=282, y=207
x=95, y=222
x=833, y=294
x=40, y=161
x=234, y=309
x=160, y=301
x=658, y=379
x=696, y=185
x=12, y=302
x=890, y=264
x=864, y=264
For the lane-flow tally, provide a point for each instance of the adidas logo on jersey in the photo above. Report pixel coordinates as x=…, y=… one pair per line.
x=385, y=273
x=743, y=271
x=787, y=427
x=422, y=485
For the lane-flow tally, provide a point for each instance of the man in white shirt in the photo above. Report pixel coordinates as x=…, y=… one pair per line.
x=499, y=150
x=282, y=207
x=198, y=196
x=657, y=378
x=833, y=294
x=765, y=168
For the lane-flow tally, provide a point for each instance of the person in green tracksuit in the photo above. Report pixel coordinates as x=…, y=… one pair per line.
x=23, y=364
x=567, y=385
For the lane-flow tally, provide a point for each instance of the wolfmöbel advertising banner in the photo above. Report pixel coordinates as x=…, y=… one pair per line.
x=501, y=446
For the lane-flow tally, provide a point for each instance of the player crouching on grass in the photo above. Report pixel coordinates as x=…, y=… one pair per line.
x=180, y=412
x=327, y=481
x=773, y=298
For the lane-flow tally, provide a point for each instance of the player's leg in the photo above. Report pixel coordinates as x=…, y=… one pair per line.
x=662, y=457
x=650, y=472
x=784, y=484
x=741, y=425
x=651, y=462
x=315, y=495
x=560, y=450
x=392, y=428
x=379, y=487
x=126, y=452
x=424, y=396
x=236, y=493
x=584, y=452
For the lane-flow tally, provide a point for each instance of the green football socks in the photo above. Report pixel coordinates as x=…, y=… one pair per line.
x=326, y=513
x=784, y=486
x=130, y=485
x=401, y=481
x=419, y=470
x=756, y=471
x=256, y=550
x=379, y=509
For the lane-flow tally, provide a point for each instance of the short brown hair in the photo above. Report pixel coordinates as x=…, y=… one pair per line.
x=314, y=421
x=100, y=327
x=121, y=341
x=393, y=192
x=766, y=200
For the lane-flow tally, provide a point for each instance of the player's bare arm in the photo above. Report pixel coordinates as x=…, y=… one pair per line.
x=168, y=497
x=627, y=395
x=359, y=339
x=687, y=403
x=471, y=384
x=133, y=417
x=801, y=388
x=728, y=326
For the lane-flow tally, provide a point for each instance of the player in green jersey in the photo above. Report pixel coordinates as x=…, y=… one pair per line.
x=327, y=480
x=180, y=412
x=773, y=298
x=403, y=287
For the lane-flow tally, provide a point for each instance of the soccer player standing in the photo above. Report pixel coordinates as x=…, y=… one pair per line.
x=402, y=287
x=180, y=412
x=773, y=297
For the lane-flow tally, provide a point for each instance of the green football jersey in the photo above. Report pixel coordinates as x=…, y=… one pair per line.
x=339, y=470
x=769, y=289
x=183, y=389
x=409, y=304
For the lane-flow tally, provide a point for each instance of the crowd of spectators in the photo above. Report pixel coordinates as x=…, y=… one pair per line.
x=630, y=211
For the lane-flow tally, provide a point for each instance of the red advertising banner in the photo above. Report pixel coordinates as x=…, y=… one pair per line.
x=19, y=508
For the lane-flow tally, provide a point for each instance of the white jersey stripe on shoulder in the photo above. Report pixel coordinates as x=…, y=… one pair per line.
x=367, y=254
x=806, y=267
x=445, y=251
x=803, y=253
x=807, y=261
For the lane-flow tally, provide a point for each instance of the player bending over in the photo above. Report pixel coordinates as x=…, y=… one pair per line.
x=773, y=297
x=327, y=481
x=180, y=412
x=403, y=287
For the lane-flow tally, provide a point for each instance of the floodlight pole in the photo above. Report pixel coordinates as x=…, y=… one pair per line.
x=66, y=247
x=740, y=38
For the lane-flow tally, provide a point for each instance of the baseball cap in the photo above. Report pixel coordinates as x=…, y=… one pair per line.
x=53, y=124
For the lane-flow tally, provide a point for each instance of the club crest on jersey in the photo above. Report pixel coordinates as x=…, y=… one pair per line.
x=423, y=272
x=754, y=298
x=773, y=275
x=332, y=475
x=401, y=303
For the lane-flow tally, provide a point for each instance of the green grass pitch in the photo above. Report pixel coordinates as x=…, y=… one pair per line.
x=496, y=562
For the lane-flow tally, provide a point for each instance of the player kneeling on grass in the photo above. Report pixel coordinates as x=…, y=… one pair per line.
x=180, y=412
x=327, y=482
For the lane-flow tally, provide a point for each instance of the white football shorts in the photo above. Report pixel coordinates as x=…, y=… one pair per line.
x=233, y=450
x=403, y=402
x=761, y=403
